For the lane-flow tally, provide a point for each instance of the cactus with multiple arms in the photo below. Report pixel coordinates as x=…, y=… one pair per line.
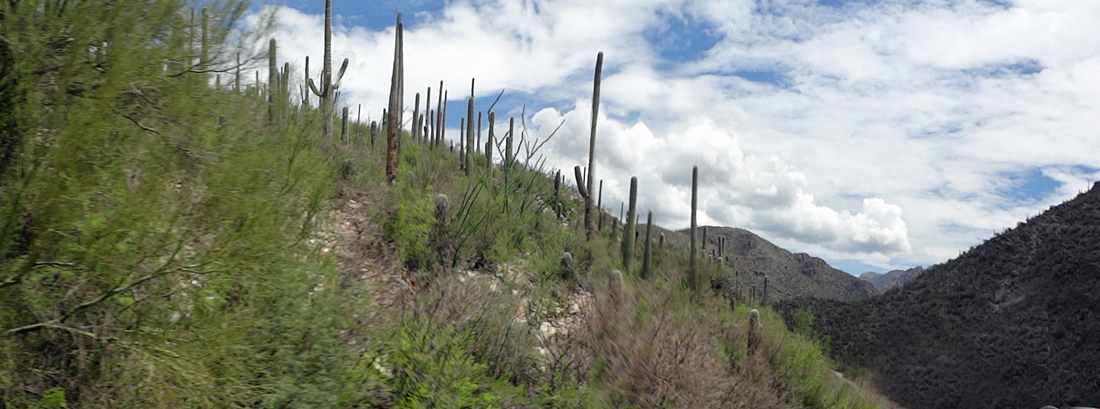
x=326, y=92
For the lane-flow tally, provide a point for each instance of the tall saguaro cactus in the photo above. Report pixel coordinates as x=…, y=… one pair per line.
x=589, y=204
x=469, y=154
x=647, y=261
x=326, y=91
x=693, y=270
x=393, y=129
x=628, y=229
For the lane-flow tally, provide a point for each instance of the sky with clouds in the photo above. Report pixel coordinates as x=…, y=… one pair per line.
x=874, y=134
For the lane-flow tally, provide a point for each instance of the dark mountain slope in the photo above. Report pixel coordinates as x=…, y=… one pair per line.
x=790, y=275
x=1012, y=323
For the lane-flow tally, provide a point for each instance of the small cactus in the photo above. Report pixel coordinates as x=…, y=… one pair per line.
x=344, y=126
x=567, y=265
x=661, y=241
x=616, y=288
x=756, y=332
x=442, y=207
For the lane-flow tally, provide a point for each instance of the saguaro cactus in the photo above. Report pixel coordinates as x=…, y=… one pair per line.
x=589, y=208
x=344, y=126
x=580, y=182
x=272, y=79
x=416, y=119
x=764, y=296
x=628, y=229
x=326, y=92
x=756, y=332
x=599, y=207
x=469, y=154
x=647, y=261
x=509, y=157
x=489, y=142
x=393, y=128
x=693, y=270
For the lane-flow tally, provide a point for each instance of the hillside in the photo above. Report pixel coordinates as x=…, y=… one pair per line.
x=1012, y=323
x=174, y=234
x=891, y=279
x=790, y=275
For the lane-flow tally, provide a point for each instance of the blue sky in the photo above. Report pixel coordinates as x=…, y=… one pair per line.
x=874, y=134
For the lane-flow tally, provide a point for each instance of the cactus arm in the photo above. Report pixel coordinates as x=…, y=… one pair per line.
x=580, y=182
x=340, y=74
x=318, y=93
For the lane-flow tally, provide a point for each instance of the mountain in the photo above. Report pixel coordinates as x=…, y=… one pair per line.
x=895, y=278
x=1011, y=323
x=790, y=275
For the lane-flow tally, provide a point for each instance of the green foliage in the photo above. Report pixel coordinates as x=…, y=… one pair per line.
x=54, y=398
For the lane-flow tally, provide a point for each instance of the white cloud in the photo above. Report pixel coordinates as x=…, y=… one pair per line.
x=887, y=139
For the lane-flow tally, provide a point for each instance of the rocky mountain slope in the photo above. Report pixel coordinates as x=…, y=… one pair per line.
x=892, y=279
x=790, y=275
x=1012, y=323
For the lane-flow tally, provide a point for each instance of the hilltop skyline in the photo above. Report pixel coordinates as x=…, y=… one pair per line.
x=876, y=135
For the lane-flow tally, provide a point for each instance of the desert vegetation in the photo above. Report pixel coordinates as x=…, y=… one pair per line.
x=174, y=233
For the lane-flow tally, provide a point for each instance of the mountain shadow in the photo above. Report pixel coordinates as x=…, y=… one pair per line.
x=1011, y=323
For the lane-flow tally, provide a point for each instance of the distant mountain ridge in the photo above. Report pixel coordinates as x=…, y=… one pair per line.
x=892, y=279
x=1011, y=323
x=790, y=275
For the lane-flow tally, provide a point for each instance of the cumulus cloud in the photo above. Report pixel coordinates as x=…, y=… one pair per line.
x=880, y=132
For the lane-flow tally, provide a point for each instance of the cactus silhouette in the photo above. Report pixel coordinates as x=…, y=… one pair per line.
x=489, y=142
x=393, y=126
x=647, y=260
x=416, y=119
x=599, y=208
x=628, y=228
x=589, y=205
x=580, y=182
x=469, y=153
x=693, y=269
x=326, y=91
